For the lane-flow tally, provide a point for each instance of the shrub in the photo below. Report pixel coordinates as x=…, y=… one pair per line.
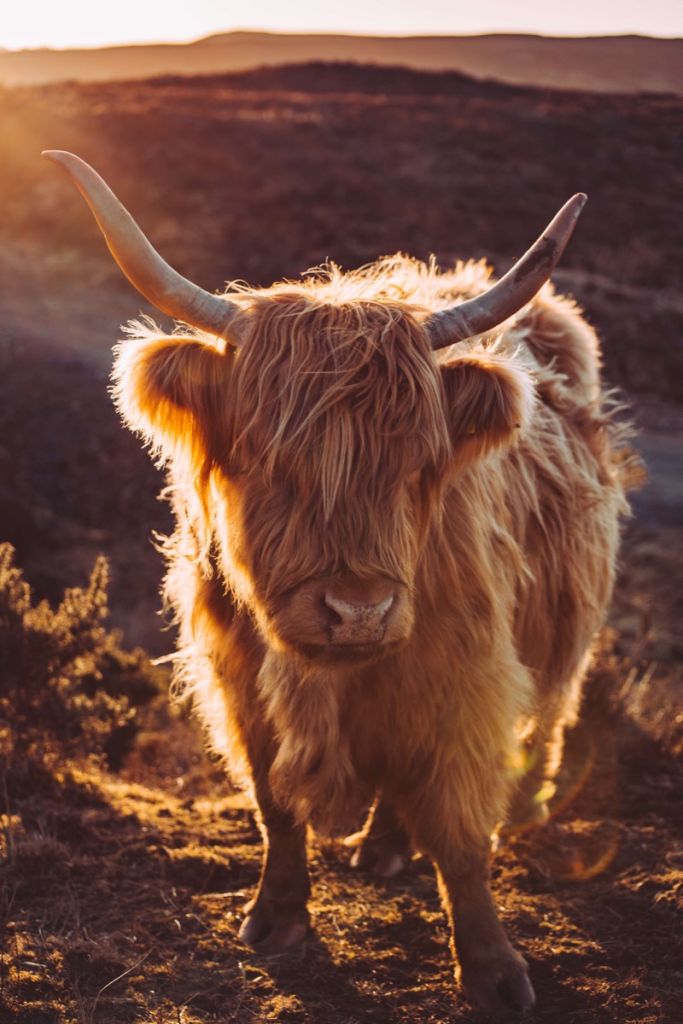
x=67, y=688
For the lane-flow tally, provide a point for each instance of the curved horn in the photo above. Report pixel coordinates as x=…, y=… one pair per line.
x=514, y=290
x=166, y=289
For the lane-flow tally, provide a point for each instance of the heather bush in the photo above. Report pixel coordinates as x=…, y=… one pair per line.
x=67, y=689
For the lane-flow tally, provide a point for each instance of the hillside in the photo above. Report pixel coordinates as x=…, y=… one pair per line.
x=262, y=174
x=603, y=63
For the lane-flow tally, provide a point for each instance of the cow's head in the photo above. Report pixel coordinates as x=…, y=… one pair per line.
x=316, y=428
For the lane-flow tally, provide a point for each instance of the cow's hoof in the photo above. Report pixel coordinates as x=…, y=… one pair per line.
x=500, y=986
x=271, y=928
x=386, y=855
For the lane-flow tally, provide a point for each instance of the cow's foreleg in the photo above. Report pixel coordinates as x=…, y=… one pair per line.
x=383, y=846
x=491, y=971
x=277, y=917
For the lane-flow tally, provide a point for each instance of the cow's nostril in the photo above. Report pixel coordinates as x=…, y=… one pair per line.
x=358, y=614
x=334, y=617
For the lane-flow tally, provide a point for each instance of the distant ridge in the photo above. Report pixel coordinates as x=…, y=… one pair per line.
x=620, y=64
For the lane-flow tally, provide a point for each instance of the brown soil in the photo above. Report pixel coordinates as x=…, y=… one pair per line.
x=123, y=894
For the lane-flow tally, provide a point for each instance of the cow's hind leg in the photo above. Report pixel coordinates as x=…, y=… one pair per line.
x=542, y=754
x=541, y=759
x=383, y=846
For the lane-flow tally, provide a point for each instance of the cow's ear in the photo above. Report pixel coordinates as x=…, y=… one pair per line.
x=172, y=391
x=489, y=401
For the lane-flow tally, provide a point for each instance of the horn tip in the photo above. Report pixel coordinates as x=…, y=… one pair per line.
x=61, y=156
x=57, y=156
x=52, y=154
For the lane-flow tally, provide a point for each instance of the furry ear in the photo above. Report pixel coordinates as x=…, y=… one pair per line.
x=488, y=401
x=172, y=390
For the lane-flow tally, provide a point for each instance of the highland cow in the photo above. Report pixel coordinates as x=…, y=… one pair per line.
x=397, y=495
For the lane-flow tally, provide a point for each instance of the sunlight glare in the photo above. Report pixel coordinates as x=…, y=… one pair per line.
x=78, y=23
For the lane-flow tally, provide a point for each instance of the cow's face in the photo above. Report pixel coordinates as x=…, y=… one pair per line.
x=317, y=454
x=320, y=452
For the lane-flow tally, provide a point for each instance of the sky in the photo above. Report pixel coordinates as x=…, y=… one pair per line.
x=73, y=23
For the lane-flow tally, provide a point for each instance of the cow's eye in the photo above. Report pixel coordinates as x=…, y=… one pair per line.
x=233, y=469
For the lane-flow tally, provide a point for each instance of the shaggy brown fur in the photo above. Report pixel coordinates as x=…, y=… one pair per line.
x=486, y=481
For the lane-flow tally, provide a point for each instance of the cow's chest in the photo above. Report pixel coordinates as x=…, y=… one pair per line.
x=337, y=737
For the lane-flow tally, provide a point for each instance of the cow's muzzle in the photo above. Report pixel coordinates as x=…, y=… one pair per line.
x=345, y=619
x=356, y=621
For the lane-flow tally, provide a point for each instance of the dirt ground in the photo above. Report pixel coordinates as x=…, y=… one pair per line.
x=124, y=893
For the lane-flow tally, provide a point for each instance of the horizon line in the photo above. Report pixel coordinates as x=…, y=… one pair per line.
x=191, y=41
